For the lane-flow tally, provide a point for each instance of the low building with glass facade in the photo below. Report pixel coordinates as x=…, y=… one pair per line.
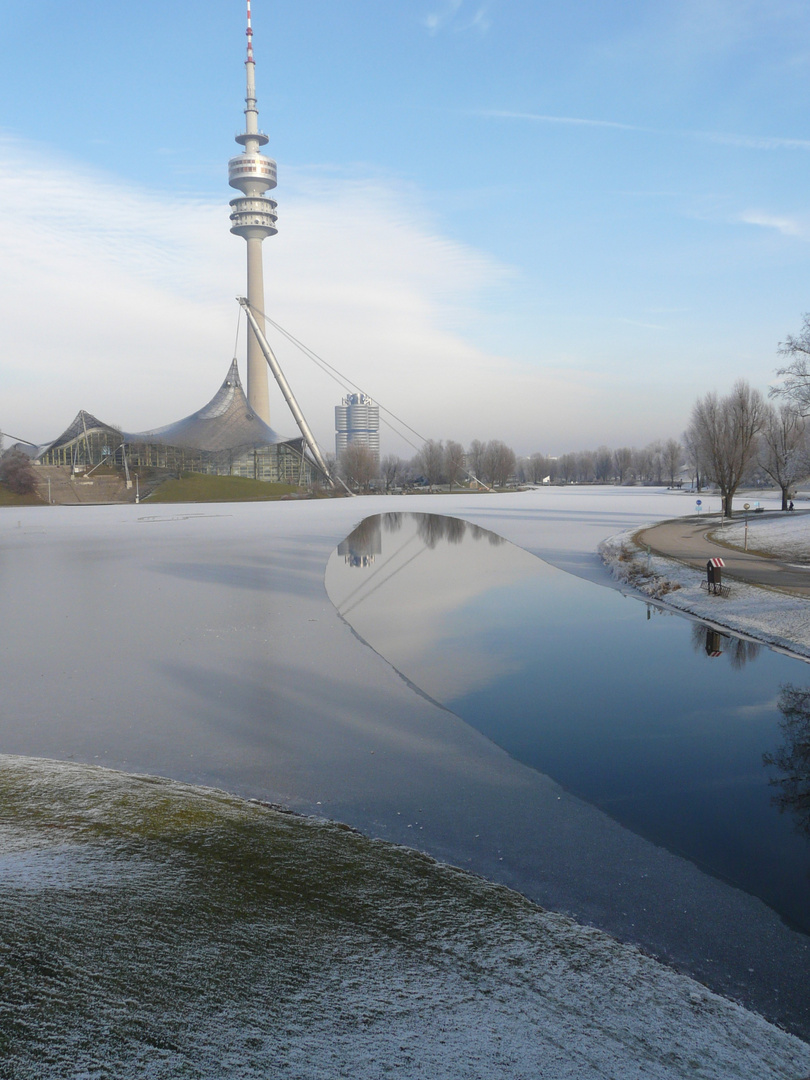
x=224, y=438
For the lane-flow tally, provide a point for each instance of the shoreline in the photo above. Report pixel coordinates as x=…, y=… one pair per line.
x=765, y=615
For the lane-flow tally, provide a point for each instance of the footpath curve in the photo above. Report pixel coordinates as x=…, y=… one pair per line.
x=686, y=540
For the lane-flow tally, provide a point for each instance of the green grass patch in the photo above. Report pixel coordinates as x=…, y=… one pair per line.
x=197, y=487
x=9, y=498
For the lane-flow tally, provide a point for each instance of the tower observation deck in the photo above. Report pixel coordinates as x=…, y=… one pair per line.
x=253, y=216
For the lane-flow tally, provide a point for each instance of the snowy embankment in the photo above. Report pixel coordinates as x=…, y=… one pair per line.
x=786, y=537
x=775, y=618
x=155, y=929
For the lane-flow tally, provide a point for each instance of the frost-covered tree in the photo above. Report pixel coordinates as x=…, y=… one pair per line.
x=725, y=431
x=454, y=462
x=622, y=462
x=391, y=468
x=795, y=387
x=671, y=457
x=783, y=448
x=430, y=462
x=603, y=464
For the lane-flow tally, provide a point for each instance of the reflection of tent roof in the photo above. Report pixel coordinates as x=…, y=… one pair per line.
x=227, y=422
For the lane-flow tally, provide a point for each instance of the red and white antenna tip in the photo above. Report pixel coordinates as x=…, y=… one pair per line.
x=249, y=33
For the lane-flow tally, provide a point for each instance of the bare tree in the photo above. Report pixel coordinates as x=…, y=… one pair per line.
x=390, y=470
x=430, y=460
x=475, y=457
x=358, y=466
x=567, y=467
x=622, y=460
x=17, y=473
x=671, y=458
x=454, y=458
x=643, y=464
x=693, y=456
x=499, y=463
x=796, y=373
x=603, y=464
x=783, y=448
x=726, y=431
x=656, y=452
x=539, y=467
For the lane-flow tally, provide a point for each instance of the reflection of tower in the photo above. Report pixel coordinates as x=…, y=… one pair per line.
x=357, y=423
x=253, y=217
x=361, y=546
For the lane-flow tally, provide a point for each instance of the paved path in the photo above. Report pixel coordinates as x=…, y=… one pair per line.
x=685, y=539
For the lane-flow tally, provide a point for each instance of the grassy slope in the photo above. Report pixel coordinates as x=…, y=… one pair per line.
x=195, y=487
x=8, y=498
x=155, y=930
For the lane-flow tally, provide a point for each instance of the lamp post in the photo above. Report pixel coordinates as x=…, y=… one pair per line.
x=137, y=489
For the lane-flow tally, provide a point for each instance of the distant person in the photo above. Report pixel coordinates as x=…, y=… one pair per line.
x=791, y=506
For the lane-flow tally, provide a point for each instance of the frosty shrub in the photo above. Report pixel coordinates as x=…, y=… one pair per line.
x=16, y=473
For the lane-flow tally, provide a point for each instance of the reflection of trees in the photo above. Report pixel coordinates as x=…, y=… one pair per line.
x=456, y=528
x=738, y=651
x=433, y=528
x=477, y=533
x=392, y=522
x=793, y=757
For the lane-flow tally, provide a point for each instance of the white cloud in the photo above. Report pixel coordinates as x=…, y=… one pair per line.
x=452, y=14
x=540, y=118
x=786, y=225
x=746, y=142
x=121, y=301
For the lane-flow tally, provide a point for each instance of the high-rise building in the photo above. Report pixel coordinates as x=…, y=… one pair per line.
x=253, y=217
x=357, y=421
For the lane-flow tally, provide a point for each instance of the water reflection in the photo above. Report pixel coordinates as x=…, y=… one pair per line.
x=639, y=716
x=400, y=579
x=361, y=546
x=365, y=542
x=714, y=643
x=793, y=757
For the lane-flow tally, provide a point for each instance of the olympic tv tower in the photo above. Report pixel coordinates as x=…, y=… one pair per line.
x=253, y=217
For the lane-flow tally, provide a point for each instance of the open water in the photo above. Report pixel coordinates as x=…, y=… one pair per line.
x=691, y=738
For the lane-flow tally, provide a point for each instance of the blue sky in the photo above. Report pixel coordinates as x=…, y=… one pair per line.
x=551, y=224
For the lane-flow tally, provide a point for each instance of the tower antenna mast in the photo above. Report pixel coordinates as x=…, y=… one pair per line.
x=253, y=217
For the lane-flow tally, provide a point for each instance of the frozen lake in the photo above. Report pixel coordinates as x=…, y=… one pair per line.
x=200, y=643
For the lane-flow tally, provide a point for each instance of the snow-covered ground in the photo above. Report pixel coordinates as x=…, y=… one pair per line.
x=786, y=537
x=156, y=930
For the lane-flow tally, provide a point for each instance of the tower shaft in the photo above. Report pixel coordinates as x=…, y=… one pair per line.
x=253, y=217
x=258, y=391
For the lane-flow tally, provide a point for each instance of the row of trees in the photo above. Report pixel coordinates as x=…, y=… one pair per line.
x=658, y=463
x=733, y=439
x=436, y=463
